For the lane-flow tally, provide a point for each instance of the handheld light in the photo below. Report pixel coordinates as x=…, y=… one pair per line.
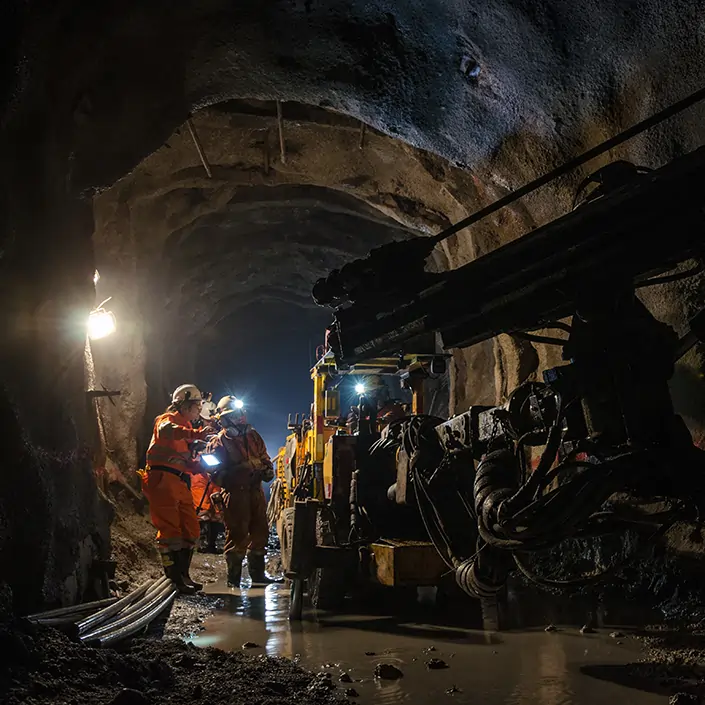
x=359, y=388
x=210, y=460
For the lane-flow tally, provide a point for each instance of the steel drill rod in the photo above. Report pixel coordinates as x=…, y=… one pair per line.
x=72, y=610
x=280, y=126
x=100, y=617
x=144, y=606
x=138, y=624
x=158, y=586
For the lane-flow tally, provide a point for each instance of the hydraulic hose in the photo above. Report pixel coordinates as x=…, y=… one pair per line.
x=146, y=604
x=104, y=614
x=485, y=574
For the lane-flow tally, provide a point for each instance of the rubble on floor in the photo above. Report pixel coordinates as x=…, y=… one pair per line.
x=43, y=667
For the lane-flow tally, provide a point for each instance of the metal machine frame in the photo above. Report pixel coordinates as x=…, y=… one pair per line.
x=610, y=441
x=320, y=489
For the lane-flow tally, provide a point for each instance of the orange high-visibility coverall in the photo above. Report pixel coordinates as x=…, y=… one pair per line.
x=167, y=486
x=199, y=483
x=245, y=464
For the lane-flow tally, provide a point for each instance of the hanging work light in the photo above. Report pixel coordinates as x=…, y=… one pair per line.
x=101, y=323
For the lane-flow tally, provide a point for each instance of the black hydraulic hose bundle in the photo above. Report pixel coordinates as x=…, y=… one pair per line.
x=515, y=513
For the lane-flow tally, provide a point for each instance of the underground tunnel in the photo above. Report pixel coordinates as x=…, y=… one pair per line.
x=201, y=169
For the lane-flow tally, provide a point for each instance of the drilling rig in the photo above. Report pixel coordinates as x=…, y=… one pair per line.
x=612, y=458
x=338, y=530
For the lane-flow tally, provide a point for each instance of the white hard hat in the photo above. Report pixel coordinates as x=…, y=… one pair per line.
x=186, y=392
x=230, y=403
x=232, y=409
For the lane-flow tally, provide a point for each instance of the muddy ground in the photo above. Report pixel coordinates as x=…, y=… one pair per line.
x=43, y=667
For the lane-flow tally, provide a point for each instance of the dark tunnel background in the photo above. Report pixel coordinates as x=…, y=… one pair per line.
x=263, y=354
x=230, y=303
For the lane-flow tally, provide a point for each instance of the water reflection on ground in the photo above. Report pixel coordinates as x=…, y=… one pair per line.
x=519, y=667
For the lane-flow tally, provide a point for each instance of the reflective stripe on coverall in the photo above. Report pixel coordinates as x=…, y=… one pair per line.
x=244, y=458
x=170, y=501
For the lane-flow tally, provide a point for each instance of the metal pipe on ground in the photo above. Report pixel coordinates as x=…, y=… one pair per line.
x=143, y=607
x=66, y=623
x=72, y=610
x=158, y=586
x=140, y=623
x=100, y=617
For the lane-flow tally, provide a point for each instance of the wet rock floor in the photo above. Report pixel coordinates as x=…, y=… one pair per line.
x=391, y=651
x=442, y=661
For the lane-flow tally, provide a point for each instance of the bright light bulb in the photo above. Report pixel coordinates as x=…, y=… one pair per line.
x=359, y=388
x=96, y=277
x=239, y=404
x=101, y=324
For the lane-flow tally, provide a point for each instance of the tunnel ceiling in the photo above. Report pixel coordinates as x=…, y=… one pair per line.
x=197, y=243
x=267, y=244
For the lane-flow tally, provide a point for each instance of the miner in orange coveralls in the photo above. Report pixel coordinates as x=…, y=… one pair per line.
x=167, y=484
x=202, y=487
x=245, y=465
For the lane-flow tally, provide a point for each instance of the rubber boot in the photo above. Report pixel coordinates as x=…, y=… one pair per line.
x=234, y=562
x=172, y=569
x=255, y=564
x=186, y=558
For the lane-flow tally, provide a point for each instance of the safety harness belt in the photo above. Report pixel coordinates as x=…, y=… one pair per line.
x=183, y=476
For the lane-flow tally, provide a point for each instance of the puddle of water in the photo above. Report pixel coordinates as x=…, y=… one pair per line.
x=529, y=667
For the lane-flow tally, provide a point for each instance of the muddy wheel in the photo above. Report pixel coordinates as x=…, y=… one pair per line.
x=285, y=531
x=296, y=600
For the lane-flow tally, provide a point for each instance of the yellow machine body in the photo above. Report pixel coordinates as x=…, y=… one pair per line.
x=321, y=453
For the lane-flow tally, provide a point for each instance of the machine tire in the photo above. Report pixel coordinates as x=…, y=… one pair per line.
x=296, y=600
x=285, y=529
